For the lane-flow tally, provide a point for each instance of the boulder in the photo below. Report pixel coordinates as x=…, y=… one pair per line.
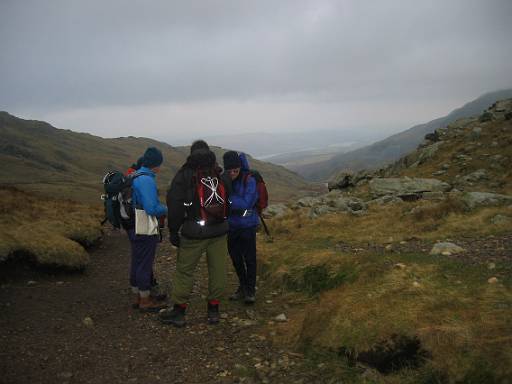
x=475, y=134
x=446, y=249
x=476, y=176
x=406, y=186
x=308, y=201
x=276, y=210
x=484, y=199
x=501, y=219
x=345, y=180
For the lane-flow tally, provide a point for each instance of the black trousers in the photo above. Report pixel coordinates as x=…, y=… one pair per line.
x=242, y=249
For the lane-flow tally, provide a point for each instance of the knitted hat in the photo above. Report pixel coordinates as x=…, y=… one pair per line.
x=152, y=158
x=199, y=144
x=231, y=160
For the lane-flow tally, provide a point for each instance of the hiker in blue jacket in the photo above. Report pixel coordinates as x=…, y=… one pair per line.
x=243, y=221
x=145, y=196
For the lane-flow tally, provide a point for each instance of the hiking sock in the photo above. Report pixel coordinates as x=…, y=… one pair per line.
x=136, y=297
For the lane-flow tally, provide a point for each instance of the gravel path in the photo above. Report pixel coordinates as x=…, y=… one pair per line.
x=79, y=328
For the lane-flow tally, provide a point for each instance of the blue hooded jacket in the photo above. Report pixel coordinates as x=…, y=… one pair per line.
x=243, y=197
x=145, y=193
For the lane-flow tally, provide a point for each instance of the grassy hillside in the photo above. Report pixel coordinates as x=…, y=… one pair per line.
x=65, y=164
x=368, y=299
x=391, y=149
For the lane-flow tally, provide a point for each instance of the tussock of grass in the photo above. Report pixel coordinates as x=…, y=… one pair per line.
x=51, y=232
x=362, y=299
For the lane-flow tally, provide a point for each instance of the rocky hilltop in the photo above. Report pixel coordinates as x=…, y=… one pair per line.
x=469, y=160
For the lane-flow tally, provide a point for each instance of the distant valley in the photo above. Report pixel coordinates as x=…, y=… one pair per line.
x=320, y=165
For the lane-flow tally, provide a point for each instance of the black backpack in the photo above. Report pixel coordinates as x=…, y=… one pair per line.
x=117, y=199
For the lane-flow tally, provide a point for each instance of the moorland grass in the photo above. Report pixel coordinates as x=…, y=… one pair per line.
x=47, y=231
x=360, y=298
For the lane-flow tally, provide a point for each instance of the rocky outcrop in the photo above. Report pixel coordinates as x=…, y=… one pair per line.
x=484, y=199
x=406, y=186
x=346, y=180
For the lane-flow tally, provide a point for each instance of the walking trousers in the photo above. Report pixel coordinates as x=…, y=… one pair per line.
x=189, y=254
x=143, y=257
x=242, y=249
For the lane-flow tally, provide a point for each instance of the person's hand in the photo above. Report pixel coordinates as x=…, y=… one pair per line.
x=174, y=238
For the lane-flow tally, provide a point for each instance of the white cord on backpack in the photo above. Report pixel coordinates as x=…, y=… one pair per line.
x=212, y=184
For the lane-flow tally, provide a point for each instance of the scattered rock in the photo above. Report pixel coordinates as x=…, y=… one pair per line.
x=65, y=375
x=500, y=219
x=492, y=280
x=446, y=249
x=491, y=266
x=31, y=282
x=276, y=210
x=400, y=266
x=475, y=134
x=88, y=322
x=281, y=318
x=476, y=176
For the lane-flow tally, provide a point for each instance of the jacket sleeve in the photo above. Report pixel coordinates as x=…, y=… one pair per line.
x=247, y=195
x=176, y=196
x=148, y=196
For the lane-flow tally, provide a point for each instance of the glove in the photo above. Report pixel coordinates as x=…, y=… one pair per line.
x=174, y=238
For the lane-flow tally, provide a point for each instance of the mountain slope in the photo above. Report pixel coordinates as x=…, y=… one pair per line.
x=391, y=149
x=65, y=164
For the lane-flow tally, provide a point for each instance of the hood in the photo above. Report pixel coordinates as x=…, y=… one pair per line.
x=244, y=161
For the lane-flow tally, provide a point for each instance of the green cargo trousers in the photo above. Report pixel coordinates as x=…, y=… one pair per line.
x=189, y=254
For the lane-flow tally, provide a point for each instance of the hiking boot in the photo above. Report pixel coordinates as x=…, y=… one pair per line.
x=174, y=316
x=135, y=301
x=238, y=295
x=157, y=293
x=148, y=304
x=250, y=299
x=213, y=313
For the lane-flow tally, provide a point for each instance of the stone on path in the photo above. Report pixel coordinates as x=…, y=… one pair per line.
x=446, y=249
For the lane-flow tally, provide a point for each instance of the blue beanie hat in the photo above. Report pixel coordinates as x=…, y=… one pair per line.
x=152, y=158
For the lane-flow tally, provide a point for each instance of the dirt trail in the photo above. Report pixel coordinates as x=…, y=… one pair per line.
x=44, y=338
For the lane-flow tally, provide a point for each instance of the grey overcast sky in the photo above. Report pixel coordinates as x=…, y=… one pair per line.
x=187, y=69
